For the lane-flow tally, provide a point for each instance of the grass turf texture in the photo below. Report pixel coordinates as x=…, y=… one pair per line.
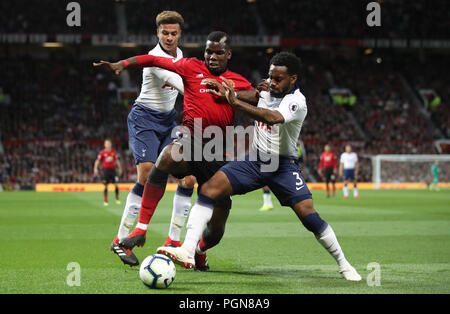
x=407, y=232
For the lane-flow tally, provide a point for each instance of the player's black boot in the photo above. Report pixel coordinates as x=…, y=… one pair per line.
x=201, y=262
x=136, y=238
x=125, y=255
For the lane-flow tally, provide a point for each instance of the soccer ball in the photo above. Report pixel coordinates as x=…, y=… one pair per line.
x=157, y=271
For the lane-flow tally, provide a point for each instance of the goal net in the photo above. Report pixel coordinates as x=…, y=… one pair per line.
x=409, y=168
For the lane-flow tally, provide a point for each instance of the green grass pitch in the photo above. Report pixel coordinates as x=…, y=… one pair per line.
x=406, y=232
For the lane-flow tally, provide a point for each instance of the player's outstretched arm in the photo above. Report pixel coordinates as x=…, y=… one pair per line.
x=143, y=61
x=266, y=116
x=117, y=67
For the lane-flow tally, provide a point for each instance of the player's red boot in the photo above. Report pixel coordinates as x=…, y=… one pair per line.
x=136, y=238
x=170, y=242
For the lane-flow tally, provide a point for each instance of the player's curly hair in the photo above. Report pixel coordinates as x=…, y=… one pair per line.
x=169, y=17
x=289, y=60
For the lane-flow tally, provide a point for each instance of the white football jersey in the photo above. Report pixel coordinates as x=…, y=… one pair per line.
x=160, y=87
x=281, y=139
x=349, y=160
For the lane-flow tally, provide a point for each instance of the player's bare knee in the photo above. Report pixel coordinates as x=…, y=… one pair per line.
x=165, y=160
x=144, y=171
x=304, y=208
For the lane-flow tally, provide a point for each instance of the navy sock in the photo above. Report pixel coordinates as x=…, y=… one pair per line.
x=314, y=223
x=138, y=189
x=185, y=191
x=205, y=200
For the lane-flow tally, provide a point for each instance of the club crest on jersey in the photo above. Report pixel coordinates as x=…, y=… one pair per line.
x=232, y=83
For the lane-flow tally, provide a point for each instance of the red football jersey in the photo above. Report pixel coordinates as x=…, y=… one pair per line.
x=328, y=160
x=198, y=103
x=108, y=158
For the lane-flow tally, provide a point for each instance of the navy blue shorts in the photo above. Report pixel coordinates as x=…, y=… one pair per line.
x=349, y=175
x=149, y=132
x=287, y=183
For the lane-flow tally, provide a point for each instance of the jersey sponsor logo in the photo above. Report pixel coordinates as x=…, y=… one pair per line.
x=203, y=82
x=200, y=75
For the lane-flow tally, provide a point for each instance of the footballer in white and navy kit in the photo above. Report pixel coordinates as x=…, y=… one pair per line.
x=152, y=118
x=274, y=141
x=279, y=118
x=348, y=170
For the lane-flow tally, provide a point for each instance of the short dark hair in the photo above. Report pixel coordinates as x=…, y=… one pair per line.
x=289, y=60
x=220, y=37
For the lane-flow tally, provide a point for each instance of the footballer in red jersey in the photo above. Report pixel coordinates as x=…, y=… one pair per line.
x=108, y=158
x=198, y=103
x=328, y=168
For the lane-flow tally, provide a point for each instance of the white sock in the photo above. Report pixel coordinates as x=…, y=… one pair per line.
x=130, y=212
x=329, y=241
x=345, y=190
x=180, y=210
x=267, y=197
x=198, y=218
x=355, y=191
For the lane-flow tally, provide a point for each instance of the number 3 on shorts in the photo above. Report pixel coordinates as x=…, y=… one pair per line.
x=299, y=182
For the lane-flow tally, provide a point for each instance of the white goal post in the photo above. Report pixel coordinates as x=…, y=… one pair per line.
x=408, y=168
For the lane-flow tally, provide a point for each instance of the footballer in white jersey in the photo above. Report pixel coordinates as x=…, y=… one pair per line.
x=160, y=87
x=348, y=170
x=281, y=139
x=280, y=116
x=150, y=124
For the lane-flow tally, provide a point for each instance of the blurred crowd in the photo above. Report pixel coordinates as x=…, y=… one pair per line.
x=319, y=18
x=59, y=111
x=56, y=110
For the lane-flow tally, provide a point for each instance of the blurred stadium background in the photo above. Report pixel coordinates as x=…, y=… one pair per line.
x=383, y=89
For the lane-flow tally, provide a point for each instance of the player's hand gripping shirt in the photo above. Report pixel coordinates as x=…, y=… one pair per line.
x=198, y=103
x=160, y=87
x=281, y=139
